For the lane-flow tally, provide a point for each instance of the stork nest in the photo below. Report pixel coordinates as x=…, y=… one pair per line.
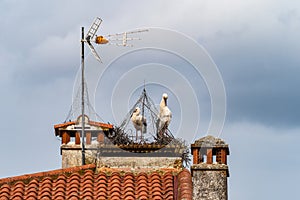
x=121, y=139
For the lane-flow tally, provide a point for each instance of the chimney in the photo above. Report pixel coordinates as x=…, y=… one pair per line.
x=70, y=135
x=103, y=151
x=209, y=169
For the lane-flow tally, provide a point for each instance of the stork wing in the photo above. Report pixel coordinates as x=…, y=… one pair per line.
x=94, y=52
x=93, y=29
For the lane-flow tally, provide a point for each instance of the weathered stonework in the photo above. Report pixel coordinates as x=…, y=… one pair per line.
x=116, y=158
x=209, y=169
x=210, y=141
x=210, y=181
x=72, y=154
x=71, y=158
x=140, y=162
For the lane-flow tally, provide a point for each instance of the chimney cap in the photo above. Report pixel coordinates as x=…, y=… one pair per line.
x=210, y=141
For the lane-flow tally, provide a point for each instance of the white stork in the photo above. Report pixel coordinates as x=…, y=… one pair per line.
x=139, y=122
x=165, y=114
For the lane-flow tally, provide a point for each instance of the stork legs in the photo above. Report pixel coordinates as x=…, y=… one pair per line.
x=137, y=136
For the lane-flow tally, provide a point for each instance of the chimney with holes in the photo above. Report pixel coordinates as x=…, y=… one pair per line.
x=107, y=147
x=71, y=145
x=209, y=169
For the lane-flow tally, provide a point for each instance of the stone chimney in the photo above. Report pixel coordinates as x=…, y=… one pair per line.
x=71, y=146
x=209, y=169
x=101, y=150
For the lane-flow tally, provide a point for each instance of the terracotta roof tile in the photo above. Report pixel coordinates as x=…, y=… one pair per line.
x=102, y=125
x=59, y=198
x=17, y=197
x=64, y=124
x=88, y=183
x=4, y=192
x=185, y=185
x=92, y=123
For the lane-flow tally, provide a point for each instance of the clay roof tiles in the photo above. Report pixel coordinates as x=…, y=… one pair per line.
x=86, y=182
x=92, y=123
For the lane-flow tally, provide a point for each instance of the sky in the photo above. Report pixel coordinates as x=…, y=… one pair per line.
x=252, y=45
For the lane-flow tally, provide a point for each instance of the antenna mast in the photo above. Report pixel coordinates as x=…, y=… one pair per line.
x=82, y=97
x=90, y=35
x=89, y=38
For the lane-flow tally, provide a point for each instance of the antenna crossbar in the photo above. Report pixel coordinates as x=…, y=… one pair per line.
x=93, y=29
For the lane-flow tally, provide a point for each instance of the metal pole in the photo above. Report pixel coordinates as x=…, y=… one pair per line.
x=82, y=96
x=143, y=111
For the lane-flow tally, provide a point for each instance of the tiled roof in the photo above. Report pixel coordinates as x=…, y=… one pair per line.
x=92, y=123
x=59, y=127
x=64, y=124
x=89, y=183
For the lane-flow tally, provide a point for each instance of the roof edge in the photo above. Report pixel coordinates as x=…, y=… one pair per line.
x=46, y=173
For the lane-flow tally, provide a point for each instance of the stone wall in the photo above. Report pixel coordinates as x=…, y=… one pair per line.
x=210, y=181
x=140, y=162
x=72, y=156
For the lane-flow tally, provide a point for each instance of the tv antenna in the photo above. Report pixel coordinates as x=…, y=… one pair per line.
x=119, y=39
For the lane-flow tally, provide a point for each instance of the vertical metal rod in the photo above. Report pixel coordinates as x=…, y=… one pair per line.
x=82, y=96
x=143, y=113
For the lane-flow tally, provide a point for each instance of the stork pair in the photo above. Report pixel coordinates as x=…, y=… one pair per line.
x=163, y=121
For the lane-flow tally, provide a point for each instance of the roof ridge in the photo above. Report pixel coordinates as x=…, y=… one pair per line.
x=123, y=171
x=47, y=173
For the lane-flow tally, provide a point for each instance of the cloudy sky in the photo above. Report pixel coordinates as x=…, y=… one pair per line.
x=254, y=44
